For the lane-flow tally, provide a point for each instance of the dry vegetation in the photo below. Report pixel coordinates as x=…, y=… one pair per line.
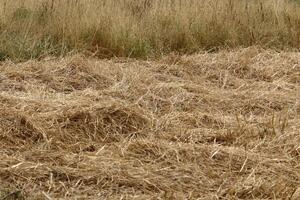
x=222, y=123
x=143, y=28
x=208, y=126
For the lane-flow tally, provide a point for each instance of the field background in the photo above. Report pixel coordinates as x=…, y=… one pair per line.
x=173, y=99
x=144, y=28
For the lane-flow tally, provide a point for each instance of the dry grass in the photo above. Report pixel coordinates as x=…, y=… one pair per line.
x=143, y=28
x=206, y=126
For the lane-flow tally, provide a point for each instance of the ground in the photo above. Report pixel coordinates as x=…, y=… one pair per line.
x=220, y=125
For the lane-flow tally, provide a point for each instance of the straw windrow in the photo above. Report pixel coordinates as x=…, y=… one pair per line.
x=210, y=126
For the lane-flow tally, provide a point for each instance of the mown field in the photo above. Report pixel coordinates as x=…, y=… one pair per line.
x=149, y=99
x=207, y=126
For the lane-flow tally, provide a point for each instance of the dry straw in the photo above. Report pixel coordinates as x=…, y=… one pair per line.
x=208, y=126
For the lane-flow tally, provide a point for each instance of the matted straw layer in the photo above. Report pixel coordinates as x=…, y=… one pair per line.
x=208, y=126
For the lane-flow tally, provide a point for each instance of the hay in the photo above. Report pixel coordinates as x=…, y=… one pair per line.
x=208, y=126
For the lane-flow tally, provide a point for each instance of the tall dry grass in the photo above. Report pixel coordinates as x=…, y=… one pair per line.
x=141, y=28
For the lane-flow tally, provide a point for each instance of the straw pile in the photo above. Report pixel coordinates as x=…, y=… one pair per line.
x=209, y=126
